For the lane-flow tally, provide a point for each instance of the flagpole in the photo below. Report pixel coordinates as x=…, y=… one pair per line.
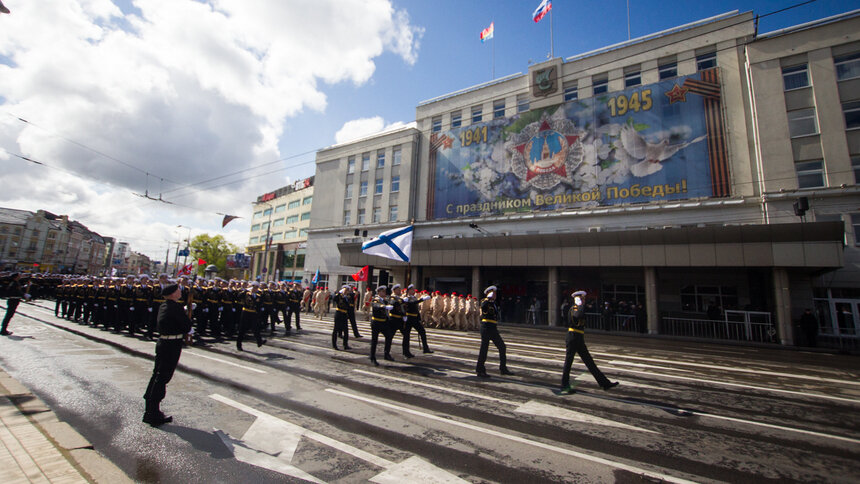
x=551, y=43
x=494, y=47
x=628, y=19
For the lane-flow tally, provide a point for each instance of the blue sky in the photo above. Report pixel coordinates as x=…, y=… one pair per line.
x=120, y=94
x=451, y=56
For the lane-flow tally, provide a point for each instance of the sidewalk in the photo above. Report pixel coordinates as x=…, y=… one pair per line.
x=35, y=446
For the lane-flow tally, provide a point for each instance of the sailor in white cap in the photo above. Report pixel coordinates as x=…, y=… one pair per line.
x=490, y=332
x=412, y=306
x=378, y=320
x=341, y=317
x=576, y=344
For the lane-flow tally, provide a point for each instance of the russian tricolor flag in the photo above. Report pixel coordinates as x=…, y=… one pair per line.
x=541, y=10
x=487, y=33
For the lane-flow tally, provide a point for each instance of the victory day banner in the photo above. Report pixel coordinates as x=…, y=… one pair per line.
x=662, y=141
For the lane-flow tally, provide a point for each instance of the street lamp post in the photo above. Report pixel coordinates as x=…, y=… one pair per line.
x=187, y=244
x=265, y=254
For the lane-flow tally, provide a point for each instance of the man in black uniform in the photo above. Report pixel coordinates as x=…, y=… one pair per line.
x=173, y=327
x=396, y=318
x=294, y=306
x=14, y=293
x=126, y=304
x=379, y=309
x=490, y=332
x=412, y=305
x=576, y=344
x=341, y=317
x=251, y=305
x=350, y=311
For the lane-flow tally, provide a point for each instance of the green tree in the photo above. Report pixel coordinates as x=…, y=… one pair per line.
x=212, y=249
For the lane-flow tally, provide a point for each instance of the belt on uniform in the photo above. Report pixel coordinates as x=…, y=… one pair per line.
x=489, y=321
x=576, y=330
x=172, y=336
x=396, y=315
x=215, y=301
x=140, y=299
x=341, y=310
x=158, y=300
x=125, y=299
x=412, y=314
x=264, y=302
x=379, y=319
x=249, y=310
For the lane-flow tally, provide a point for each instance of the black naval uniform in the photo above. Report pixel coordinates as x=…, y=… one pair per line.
x=413, y=320
x=294, y=307
x=250, y=309
x=350, y=312
x=395, y=323
x=378, y=322
x=490, y=332
x=341, y=320
x=576, y=344
x=173, y=324
x=13, y=295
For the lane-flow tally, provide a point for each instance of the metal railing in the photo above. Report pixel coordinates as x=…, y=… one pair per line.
x=762, y=332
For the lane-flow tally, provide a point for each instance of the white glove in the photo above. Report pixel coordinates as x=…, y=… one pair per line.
x=389, y=307
x=220, y=308
x=404, y=318
x=425, y=298
x=115, y=306
x=193, y=307
x=191, y=333
x=149, y=309
x=577, y=300
x=205, y=310
x=131, y=308
x=27, y=297
x=234, y=310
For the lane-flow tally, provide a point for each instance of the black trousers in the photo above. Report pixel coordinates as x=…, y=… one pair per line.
x=166, y=358
x=248, y=320
x=412, y=322
x=293, y=308
x=576, y=344
x=377, y=327
x=351, y=315
x=341, y=329
x=11, y=307
x=489, y=332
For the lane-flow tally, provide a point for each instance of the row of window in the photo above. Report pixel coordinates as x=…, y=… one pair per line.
x=797, y=76
x=810, y=173
x=289, y=234
x=377, y=187
x=280, y=208
x=668, y=68
x=396, y=155
x=281, y=221
x=376, y=215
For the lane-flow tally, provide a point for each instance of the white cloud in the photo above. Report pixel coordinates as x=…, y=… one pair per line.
x=363, y=127
x=182, y=89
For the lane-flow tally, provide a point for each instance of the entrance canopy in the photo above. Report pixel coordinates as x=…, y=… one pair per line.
x=814, y=245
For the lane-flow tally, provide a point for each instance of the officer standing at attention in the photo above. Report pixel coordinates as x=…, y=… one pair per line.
x=251, y=305
x=576, y=344
x=294, y=306
x=490, y=332
x=379, y=319
x=173, y=327
x=341, y=317
x=353, y=298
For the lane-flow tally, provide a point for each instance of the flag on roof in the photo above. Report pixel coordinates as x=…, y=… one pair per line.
x=487, y=33
x=394, y=244
x=541, y=10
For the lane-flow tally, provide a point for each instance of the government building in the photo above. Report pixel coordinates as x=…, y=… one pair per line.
x=699, y=182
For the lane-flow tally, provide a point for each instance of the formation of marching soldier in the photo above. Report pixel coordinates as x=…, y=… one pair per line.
x=224, y=309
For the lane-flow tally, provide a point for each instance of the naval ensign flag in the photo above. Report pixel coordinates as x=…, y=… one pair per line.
x=395, y=244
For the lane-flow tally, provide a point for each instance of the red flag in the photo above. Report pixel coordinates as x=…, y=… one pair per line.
x=361, y=275
x=201, y=262
x=228, y=219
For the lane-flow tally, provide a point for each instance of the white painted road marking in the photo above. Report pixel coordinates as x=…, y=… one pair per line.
x=219, y=360
x=522, y=440
x=270, y=443
x=531, y=407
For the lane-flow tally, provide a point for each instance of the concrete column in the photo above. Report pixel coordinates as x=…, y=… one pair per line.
x=552, y=298
x=651, y=309
x=782, y=303
x=476, y=282
x=415, y=278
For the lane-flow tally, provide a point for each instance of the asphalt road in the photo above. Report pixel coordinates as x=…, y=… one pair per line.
x=296, y=410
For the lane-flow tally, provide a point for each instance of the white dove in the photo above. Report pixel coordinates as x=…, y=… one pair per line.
x=650, y=154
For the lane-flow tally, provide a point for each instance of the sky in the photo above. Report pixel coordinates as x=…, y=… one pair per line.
x=208, y=104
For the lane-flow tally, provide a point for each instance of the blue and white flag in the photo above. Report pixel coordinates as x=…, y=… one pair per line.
x=395, y=244
x=316, y=278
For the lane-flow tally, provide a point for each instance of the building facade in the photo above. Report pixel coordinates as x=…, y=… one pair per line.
x=277, y=243
x=44, y=242
x=696, y=182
